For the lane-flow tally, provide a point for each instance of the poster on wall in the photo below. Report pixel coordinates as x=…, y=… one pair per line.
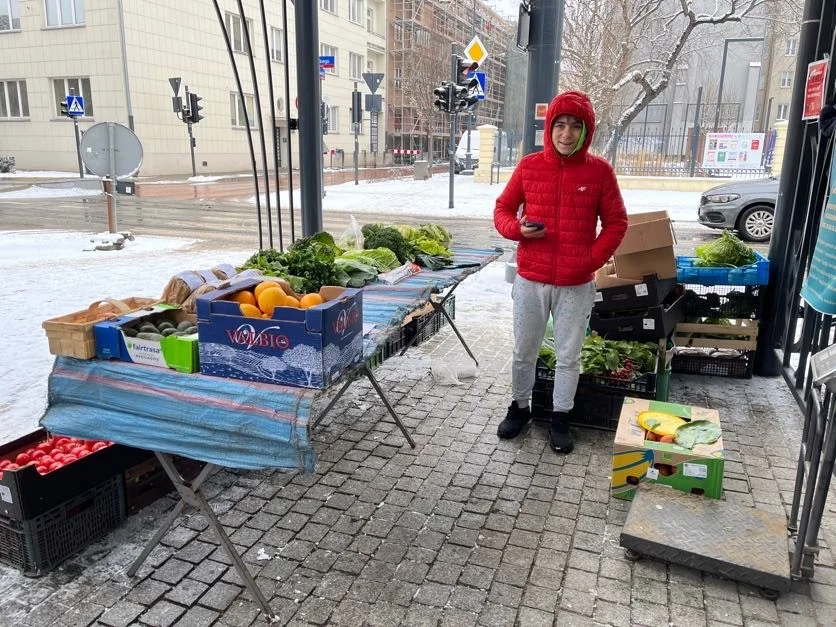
x=815, y=89
x=819, y=289
x=737, y=151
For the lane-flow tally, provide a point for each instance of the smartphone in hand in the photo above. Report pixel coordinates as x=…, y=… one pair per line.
x=532, y=224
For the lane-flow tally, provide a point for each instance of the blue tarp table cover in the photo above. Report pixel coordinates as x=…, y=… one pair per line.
x=232, y=423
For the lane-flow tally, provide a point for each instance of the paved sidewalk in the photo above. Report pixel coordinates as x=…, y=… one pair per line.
x=465, y=529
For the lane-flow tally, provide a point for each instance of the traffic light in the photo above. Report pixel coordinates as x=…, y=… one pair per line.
x=466, y=86
x=194, y=108
x=65, y=110
x=442, y=97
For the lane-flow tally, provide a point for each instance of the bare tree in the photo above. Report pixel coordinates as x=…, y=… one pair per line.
x=428, y=67
x=624, y=52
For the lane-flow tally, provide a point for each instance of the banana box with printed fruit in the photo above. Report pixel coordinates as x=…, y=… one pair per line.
x=680, y=446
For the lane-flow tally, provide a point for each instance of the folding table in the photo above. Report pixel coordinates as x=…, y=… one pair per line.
x=225, y=422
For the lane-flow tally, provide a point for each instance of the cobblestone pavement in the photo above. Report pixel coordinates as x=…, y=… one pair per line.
x=465, y=529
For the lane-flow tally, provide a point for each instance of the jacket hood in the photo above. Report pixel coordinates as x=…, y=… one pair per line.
x=574, y=103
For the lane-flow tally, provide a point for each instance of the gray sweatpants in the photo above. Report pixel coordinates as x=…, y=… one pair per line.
x=570, y=307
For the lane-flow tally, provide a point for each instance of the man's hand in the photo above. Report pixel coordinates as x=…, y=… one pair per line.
x=531, y=232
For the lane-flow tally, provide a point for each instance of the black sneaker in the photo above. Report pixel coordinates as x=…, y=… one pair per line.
x=559, y=437
x=515, y=420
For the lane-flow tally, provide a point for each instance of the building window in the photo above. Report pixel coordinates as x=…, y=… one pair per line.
x=14, y=100
x=333, y=119
x=786, y=80
x=235, y=29
x=355, y=66
x=64, y=87
x=398, y=32
x=370, y=66
x=370, y=20
x=398, y=77
x=328, y=5
x=9, y=15
x=64, y=12
x=330, y=51
x=792, y=45
x=236, y=107
x=277, y=45
x=783, y=111
x=355, y=11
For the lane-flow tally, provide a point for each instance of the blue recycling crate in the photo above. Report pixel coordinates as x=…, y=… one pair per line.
x=754, y=274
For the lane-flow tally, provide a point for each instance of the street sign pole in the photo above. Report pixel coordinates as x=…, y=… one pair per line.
x=191, y=137
x=78, y=148
x=452, y=147
x=111, y=193
x=357, y=116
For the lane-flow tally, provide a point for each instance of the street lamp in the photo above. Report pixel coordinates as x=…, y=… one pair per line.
x=723, y=72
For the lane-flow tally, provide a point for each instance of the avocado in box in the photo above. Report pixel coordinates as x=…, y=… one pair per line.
x=165, y=336
x=301, y=347
x=668, y=444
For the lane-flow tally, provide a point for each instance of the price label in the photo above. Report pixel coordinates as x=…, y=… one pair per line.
x=648, y=324
x=652, y=474
x=599, y=297
x=698, y=471
x=6, y=494
x=641, y=289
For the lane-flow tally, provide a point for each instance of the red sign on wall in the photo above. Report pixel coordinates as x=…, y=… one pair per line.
x=815, y=89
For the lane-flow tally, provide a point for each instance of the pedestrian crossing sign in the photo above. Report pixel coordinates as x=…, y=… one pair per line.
x=75, y=106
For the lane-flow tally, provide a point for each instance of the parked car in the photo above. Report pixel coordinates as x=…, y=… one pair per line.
x=745, y=206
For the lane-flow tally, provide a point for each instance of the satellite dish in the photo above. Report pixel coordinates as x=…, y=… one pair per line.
x=95, y=150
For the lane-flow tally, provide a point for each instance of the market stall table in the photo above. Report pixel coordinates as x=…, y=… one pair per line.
x=227, y=422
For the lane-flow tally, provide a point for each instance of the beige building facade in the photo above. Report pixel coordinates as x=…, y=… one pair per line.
x=120, y=55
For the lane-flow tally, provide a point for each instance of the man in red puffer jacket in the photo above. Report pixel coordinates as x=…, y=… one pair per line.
x=562, y=193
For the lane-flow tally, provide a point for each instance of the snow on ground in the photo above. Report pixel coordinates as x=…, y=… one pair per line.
x=37, y=174
x=43, y=192
x=430, y=199
x=41, y=286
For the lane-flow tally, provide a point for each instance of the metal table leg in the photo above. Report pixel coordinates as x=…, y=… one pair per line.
x=191, y=494
x=439, y=306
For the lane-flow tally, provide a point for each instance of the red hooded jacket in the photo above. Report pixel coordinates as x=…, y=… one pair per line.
x=569, y=195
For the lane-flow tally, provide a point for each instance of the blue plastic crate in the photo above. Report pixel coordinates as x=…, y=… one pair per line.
x=754, y=274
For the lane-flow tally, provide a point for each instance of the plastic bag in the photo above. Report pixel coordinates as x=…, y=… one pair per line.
x=352, y=237
x=452, y=374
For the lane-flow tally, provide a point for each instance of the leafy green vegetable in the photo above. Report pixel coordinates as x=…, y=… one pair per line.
x=609, y=357
x=726, y=251
x=547, y=356
x=307, y=267
x=380, y=236
x=435, y=232
x=697, y=432
x=359, y=273
x=381, y=258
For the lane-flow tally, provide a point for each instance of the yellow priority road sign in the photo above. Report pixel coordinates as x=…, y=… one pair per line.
x=476, y=50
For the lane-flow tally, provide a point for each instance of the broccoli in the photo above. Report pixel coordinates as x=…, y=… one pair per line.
x=379, y=236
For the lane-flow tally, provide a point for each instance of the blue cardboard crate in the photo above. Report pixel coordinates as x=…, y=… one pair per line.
x=307, y=348
x=754, y=274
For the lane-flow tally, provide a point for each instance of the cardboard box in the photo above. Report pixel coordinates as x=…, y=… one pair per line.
x=178, y=353
x=617, y=294
x=635, y=459
x=647, y=247
x=308, y=348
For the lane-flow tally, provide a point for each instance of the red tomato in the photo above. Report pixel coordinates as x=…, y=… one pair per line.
x=69, y=459
x=98, y=446
x=42, y=470
x=4, y=463
x=46, y=447
x=11, y=467
x=23, y=459
x=83, y=453
x=58, y=457
x=60, y=441
x=77, y=450
x=46, y=460
x=54, y=466
x=37, y=454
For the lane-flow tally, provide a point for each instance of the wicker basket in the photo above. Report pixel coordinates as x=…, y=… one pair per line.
x=72, y=335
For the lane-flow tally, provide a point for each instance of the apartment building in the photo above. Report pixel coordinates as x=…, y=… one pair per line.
x=120, y=55
x=778, y=77
x=421, y=33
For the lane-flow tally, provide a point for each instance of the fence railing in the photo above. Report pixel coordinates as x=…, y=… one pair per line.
x=675, y=155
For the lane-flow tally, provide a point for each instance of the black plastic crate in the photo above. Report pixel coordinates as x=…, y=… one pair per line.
x=645, y=325
x=592, y=408
x=739, y=367
x=722, y=301
x=434, y=326
x=642, y=387
x=650, y=292
x=37, y=545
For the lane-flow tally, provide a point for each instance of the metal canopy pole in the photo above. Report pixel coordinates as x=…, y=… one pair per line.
x=310, y=121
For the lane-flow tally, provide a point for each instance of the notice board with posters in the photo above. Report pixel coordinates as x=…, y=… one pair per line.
x=819, y=289
x=815, y=89
x=739, y=151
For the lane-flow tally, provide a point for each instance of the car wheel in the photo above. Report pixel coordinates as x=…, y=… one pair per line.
x=755, y=224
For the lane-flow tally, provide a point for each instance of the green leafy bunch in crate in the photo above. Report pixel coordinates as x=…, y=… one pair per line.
x=620, y=359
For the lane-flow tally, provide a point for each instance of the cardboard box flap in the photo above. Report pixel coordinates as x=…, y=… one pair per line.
x=646, y=231
x=660, y=261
